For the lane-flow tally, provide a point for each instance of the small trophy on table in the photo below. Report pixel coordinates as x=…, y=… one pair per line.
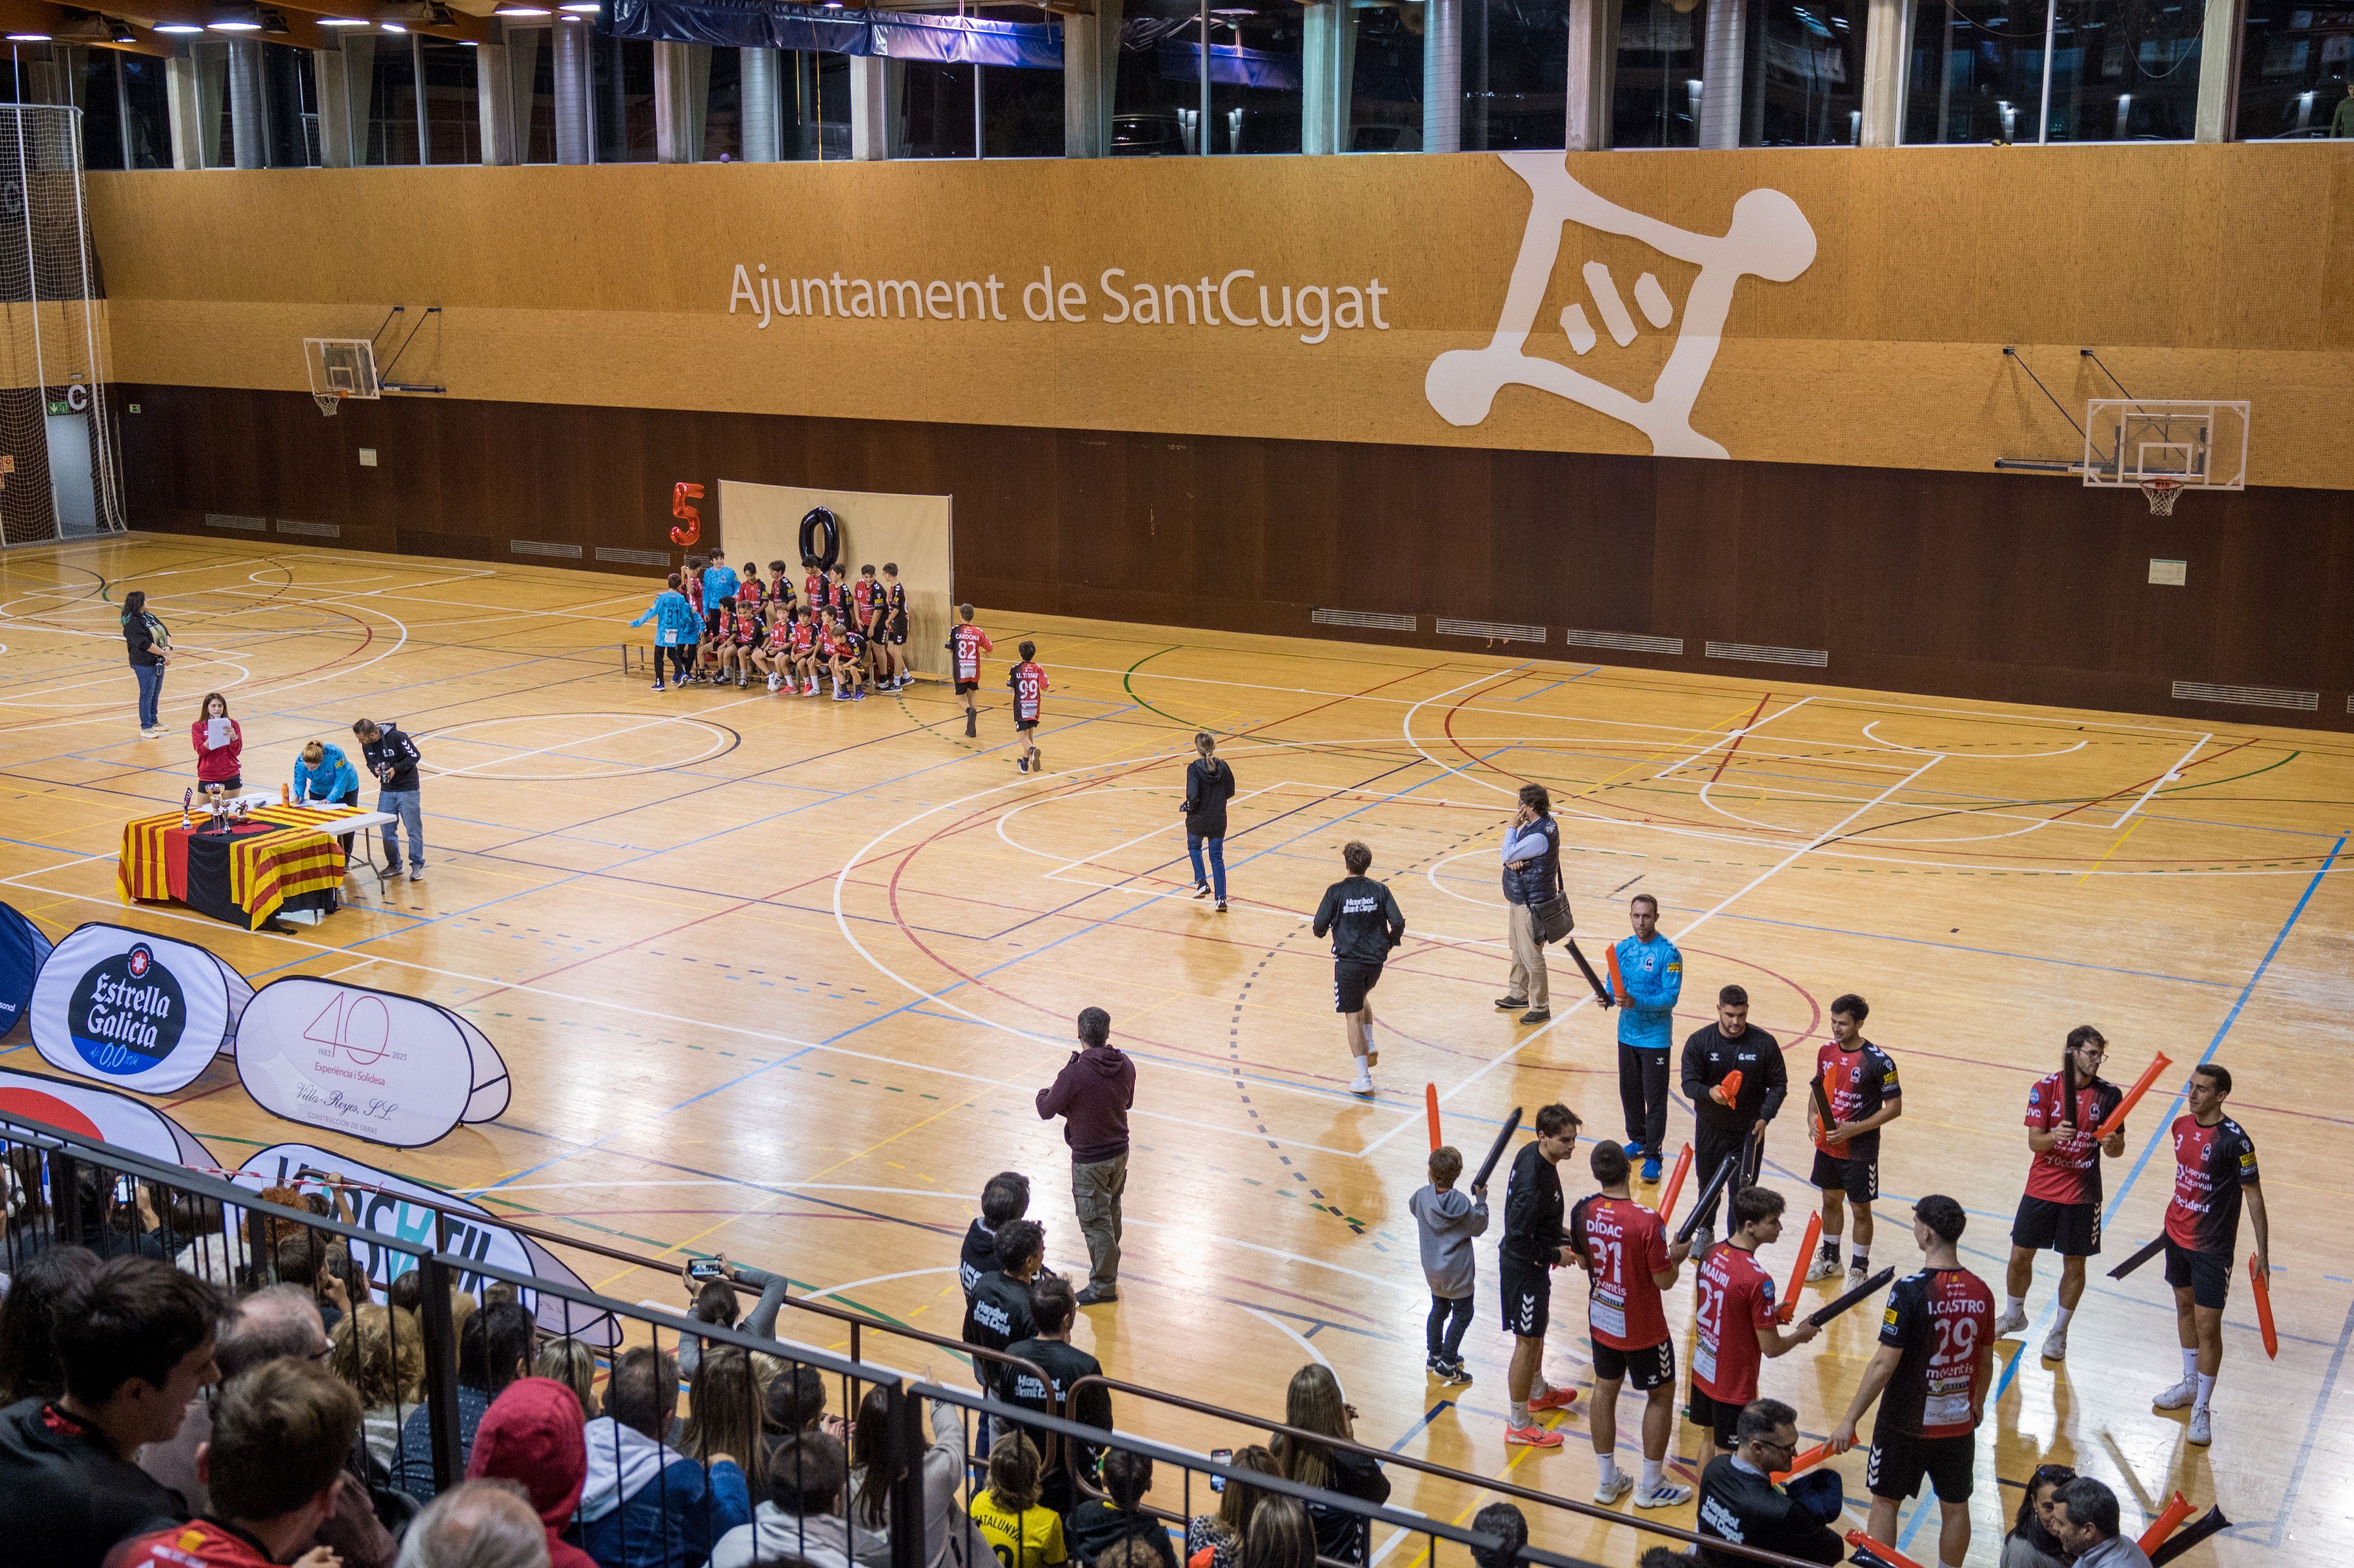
x=187, y=800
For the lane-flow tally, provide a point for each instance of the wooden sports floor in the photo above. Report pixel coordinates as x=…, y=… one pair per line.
x=778, y=977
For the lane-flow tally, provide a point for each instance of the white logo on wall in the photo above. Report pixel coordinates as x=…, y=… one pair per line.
x=388, y=1068
x=1769, y=237
x=135, y=1010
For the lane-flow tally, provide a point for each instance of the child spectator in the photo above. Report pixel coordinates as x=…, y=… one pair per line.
x=1005, y=1199
x=1053, y=1305
x=801, y=1519
x=1018, y=1533
x=1215, y=1540
x=1445, y=1223
x=1001, y=1308
x=1509, y=1526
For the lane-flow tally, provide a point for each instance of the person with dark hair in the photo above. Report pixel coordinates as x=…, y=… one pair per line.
x=1028, y=679
x=801, y=1517
x=134, y=1343
x=1314, y=1404
x=1100, y=1523
x=274, y=1465
x=2062, y=1207
x=278, y=1322
x=876, y=1465
x=1209, y=785
x=1532, y=1246
x=1215, y=1540
x=392, y=757
x=1858, y=1083
x=495, y=1348
x=1936, y=1364
x=714, y=1301
x=150, y=642
x=2084, y=1522
x=1000, y=1312
x=1740, y=1503
x=891, y=630
x=1281, y=1535
x=1532, y=861
x=217, y=751
x=1364, y=921
x=1725, y=1125
x=1646, y=972
x=1735, y=1326
x=1446, y=1223
x=30, y=1368
x=2031, y=1543
x=967, y=643
x=1013, y=1527
x=1629, y=1261
x=1092, y=1093
x=795, y=1400
x=1509, y=1525
x=678, y=632
x=532, y=1435
x=644, y=1504
x=1053, y=1306
x=2214, y=1176
x=1005, y=1198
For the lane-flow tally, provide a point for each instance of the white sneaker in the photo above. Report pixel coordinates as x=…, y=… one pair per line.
x=1822, y=1268
x=2011, y=1323
x=1608, y=1492
x=2175, y=1398
x=416, y=873
x=1856, y=1276
x=2203, y=1431
x=1704, y=1239
x=1667, y=1494
x=1363, y=1084
x=2055, y=1345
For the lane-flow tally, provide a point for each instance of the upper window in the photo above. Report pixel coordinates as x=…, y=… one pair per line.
x=2112, y=70
x=2296, y=66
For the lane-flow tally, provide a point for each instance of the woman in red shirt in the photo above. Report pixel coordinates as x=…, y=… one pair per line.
x=217, y=764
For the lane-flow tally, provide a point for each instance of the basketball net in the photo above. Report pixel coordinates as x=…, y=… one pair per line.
x=2160, y=493
x=330, y=401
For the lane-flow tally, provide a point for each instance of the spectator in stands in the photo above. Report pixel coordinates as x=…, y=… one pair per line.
x=645, y=1504
x=796, y=1401
x=321, y=1263
x=1281, y=1535
x=725, y=1414
x=218, y=760
x=1131, y=1552
x=2031, y=1543
x=274, y=1466
x=215, y=1250
x=477, y=1524
x=715, y=1302
x=1509, y=1525
x=1314, y=1404
x=1099, y=1523
x=30, y=1368
x=1013, y=1527
x=1001, y=1310
x=875, y=1467
x=1052, y=1307
x=134, y=1343
x=1005, y=1200
x=493, y=1349
x=803, y=1514
x=532, y=1435
x=380, y=1351
x=2341, y=123
x=1739, y=1501
x=571, y=1362
x=1215, y=1540
x=2084, y=1520
x=1092, y=1094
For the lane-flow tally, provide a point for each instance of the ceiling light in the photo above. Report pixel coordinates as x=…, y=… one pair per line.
x=29, y=37
x=236, y=27
x=344, y=22
x=394, y=27
x=177, y=28
x=521, y=11
x=582, y=7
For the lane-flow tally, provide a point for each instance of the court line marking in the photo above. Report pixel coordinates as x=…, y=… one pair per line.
x=1738, y=732
x=2167, y=777
x=1974, y=756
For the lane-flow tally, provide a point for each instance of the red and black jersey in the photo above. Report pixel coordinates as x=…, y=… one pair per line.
x=1028, y=692
x=1858, y=1083
x=866, y=595
x=781, y=589
x=2210, y=1165
x=1736, y=1299
x=748, y=594
x=691, y=585
x=2070, y=1171
x=1623, y=1245
x=852, y=644
x=829, y=641
x=199, y=1543
x=970, y=642
x=804, y=638
x=894, y=600
x=780, y=636
x=1937, y=1320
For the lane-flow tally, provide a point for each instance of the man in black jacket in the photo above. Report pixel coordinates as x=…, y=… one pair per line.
x=1735, y=1123
x=392, y=757
x=1739, y=1501
x=1534, y=1243
x=1363, y=918
x=1209, y=785
x=1051, y=1351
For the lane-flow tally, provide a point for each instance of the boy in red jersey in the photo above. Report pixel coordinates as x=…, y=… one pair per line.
x=2214, y=1175
x=1029, y=684
x=866, y=603
x=814, y=591
x=1860, y=1079
x=775, y=647
x=2061, y=1208
x=892, y=635
x=967, y=643
x=745, y=631
x=1734, y=1320
x=1936, y=1364
x=1624, y=1248
x=844, y=648
x=781, y=586
x=802, y=650
x=750, y=592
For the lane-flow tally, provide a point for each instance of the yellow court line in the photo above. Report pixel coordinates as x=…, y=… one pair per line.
x=2120, y=838
x=1475, y=1505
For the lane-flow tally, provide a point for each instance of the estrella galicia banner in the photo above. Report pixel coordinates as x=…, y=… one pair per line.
x=23, y=951
x=372, y=1064
x=376, y=1201
x=134, y=1011
x=100, y=1114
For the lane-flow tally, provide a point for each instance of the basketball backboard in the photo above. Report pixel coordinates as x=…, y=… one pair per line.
x=340, y=367
x=2170, y=443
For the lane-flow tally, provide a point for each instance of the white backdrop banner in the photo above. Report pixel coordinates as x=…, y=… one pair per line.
x=134, y=1011
x=376, y=1201
x=102, y=1114
x=372, y=1064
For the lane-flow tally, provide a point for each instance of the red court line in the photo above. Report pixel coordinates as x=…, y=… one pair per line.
x=1739, y=737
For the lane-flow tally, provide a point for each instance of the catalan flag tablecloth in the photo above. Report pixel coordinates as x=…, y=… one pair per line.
x=243, y=876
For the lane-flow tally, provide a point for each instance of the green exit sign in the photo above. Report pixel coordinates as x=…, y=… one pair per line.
x=59, y=406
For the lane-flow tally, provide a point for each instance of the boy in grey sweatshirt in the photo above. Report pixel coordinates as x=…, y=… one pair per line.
x=1445, y=1223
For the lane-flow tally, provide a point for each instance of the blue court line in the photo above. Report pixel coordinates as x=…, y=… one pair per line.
x=2312, y=1429
x=1432, y=1414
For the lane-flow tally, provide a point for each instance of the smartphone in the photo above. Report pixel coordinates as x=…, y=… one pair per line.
x=702, y=1269
x=1224, y=1457
x=126, y=1190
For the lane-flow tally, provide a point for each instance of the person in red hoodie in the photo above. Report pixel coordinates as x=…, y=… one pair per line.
x=217, y=764
x=532, y=1435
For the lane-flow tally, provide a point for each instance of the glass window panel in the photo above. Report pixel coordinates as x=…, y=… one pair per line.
x=1386, y=84
x=1803, y=83
x=1254, y=76
x=531, y=62
x=2126, y=70
x=1156, y=99
x=935, y=109
x=2295, y=62
x=1515, y=74
x=1654, y=93
x=1021, y=110
x=624, y=96
x=453, y=121
x=1976, y=73
x=148, y=119
x=722, y=105
x=102, y=112
x=290, y=98
x=391, y=121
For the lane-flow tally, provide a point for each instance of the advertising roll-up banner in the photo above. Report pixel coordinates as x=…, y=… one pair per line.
x=23, y=951
x=98, y=1113
x=133, y=1011
x=372, y=1064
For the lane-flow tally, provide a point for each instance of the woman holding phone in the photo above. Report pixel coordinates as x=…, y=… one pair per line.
x=218, y=742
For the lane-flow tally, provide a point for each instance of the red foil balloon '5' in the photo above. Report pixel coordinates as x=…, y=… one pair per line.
x=679, y=494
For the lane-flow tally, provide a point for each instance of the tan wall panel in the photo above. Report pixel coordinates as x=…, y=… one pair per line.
x=763, y=523
x=2214, y=272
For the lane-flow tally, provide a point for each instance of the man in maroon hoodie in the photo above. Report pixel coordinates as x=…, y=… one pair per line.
x=1092, y=1094
x=532, y=1435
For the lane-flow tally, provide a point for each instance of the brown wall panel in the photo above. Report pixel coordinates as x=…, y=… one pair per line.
x=1990, y=586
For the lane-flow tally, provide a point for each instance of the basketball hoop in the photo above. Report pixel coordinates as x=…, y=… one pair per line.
x=329, y=401
x=2160, y=493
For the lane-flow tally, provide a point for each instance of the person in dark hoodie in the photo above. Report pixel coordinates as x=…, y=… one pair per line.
x=393, y=757
x=1100, y=1523
x=1209, y=785
x=1092, y=1094
x=1364, y=917
x=531, y=1435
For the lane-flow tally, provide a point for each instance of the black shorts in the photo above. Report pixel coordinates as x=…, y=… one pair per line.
x=2071, y=1230
x=1526, y=1291
x=1898, y=1460
x=1351, y=983
x=2209, y=1274
x=1859, y=1179
x=1720, y=1419
x=1023, y=727
x=1651, y=1366
x=965, y=687
x=710, y=623
x=898, y=633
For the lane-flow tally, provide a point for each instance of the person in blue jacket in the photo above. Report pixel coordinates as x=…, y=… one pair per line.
x=644, y=1504
x=719, y=581
x=678, y=632
x=1649, y=975
x=323, y=776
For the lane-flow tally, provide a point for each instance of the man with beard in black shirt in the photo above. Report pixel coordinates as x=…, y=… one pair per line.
x=1735, y=1123
x=1533, y=1244
x=1054, y=1305
x=1363, y=918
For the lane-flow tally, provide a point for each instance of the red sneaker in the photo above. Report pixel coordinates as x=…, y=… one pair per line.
x=1531, y=1436
x=1553, y=1399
